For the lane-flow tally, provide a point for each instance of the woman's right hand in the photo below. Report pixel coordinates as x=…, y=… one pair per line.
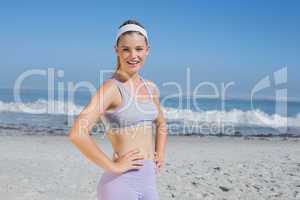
x=130, y=160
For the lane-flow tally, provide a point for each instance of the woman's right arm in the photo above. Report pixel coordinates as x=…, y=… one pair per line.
x=79, y=132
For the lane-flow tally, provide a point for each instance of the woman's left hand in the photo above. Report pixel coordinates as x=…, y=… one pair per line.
x=159, y=162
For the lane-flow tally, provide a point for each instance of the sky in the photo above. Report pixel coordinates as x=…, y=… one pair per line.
x=217, y=41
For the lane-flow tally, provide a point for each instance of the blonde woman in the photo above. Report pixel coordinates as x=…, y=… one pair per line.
x=131, y=106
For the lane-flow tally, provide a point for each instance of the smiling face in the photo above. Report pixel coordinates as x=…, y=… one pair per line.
x=132, y=50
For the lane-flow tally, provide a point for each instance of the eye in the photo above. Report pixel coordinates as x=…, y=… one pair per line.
x=139, y=49
x=125, y=49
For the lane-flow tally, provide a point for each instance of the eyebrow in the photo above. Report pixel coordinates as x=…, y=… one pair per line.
x=123, y=46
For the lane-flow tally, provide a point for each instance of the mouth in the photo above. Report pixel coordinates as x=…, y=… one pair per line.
x=133, y=62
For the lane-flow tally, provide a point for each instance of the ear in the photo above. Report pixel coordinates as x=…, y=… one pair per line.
x=148, y=50
x=116, y=48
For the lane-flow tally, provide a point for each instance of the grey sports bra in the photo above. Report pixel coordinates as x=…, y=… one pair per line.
x=131, y=112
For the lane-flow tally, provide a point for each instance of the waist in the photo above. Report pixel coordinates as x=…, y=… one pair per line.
x=142, y=177
x=125, y=140
x=148, y=168
x=147, y=153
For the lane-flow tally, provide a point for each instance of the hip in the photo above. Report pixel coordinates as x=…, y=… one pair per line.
x=145, y=174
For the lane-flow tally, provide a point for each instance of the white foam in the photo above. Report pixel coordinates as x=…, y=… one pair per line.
x=41, y=106
x=235, y=116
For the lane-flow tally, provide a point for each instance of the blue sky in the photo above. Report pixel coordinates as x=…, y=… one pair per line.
x=220, y=41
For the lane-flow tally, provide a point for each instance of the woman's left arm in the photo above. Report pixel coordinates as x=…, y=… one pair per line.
x=161, y=130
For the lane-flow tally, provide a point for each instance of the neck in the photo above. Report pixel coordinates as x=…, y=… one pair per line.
x=126, y=76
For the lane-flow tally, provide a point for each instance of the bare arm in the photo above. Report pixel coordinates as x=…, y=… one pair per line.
x=161, y=127
x=79, y=132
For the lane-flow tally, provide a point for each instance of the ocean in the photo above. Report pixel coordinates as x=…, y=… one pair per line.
x=185, y=116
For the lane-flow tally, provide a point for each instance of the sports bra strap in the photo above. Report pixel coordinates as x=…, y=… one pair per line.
x=124, y=90
x=148, y=89
x=121, y=88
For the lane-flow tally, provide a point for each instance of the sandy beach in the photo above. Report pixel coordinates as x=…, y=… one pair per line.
x=49, y=167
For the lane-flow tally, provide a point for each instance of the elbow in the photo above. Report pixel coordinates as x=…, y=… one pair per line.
x=70, y=138
x=73, y=137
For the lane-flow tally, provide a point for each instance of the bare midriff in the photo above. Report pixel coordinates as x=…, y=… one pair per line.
x=137, y=137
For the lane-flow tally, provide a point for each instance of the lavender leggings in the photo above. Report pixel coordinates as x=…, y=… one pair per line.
x=135, y=184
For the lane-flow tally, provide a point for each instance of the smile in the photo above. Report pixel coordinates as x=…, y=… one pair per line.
x=133, y=62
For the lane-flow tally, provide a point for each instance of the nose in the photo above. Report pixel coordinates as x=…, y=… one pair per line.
x=133, y=54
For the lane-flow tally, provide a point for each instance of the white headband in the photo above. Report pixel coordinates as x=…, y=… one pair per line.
x=131, y=27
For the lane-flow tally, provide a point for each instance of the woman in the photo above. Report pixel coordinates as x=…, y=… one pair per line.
x=131, y=105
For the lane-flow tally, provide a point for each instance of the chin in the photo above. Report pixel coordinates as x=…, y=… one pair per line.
x=133, y=69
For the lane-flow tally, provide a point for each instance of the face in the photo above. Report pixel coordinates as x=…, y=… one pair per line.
x=132, y=51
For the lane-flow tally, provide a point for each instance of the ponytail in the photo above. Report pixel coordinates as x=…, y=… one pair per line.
x=118, y=65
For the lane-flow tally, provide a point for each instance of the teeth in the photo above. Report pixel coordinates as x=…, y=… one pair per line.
x=133, y=62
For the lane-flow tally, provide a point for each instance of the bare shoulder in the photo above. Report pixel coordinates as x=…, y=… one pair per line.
x=108, y=87
x=105, y=94
x=107, y=84
x=153, y=87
